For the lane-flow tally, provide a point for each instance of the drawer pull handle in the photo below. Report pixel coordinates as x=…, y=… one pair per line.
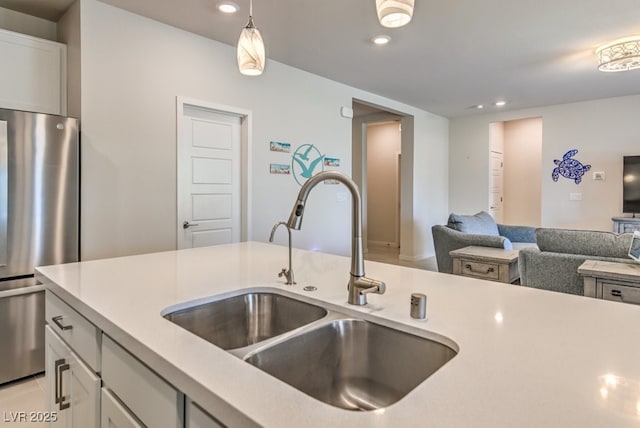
x=60, y=366
x=470, y=268
x=58, y=321
x=616, y=293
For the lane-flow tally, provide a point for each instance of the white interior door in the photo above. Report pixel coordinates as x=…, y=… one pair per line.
x=496, y=186
x=209, y=177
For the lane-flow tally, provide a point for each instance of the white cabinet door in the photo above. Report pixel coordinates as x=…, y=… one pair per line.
x=73, y=390
x=33, y=75
x=209, y=178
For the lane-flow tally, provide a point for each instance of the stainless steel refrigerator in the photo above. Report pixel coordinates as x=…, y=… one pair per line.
x=39, y=225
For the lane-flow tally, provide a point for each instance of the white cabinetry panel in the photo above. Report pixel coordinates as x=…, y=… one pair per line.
x=74, y=391
x=33, y=74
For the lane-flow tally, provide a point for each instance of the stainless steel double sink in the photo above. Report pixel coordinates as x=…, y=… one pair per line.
x=341, y=360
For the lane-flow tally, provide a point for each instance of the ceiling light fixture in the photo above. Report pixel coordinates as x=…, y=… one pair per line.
x=381, y=40
x=500, y=103
x=228, y=7
x=394, y=13
x=620, y=55
x=251, y=56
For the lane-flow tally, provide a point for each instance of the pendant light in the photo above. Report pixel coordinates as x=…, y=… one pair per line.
x=394, y=13
x=251, y=55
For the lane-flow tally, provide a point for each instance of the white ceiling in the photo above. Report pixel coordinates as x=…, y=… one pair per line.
x=453, y=55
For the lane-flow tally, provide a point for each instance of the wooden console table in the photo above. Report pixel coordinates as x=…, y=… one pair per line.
x=619, y=282
x=494, y=264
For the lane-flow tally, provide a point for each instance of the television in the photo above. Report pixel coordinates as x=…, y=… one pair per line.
x=631, y=185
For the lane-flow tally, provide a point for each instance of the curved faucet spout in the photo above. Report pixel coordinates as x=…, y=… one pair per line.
x=359, y=285
x=295, y=219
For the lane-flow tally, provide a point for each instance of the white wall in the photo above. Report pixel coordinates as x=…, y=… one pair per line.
x=602, y=130
x=383, y=147
x=522, y=168
x=132, y=70
x=27, y=24
x=430, y=183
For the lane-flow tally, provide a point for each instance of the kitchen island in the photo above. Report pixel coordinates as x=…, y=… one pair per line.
x=525, y=357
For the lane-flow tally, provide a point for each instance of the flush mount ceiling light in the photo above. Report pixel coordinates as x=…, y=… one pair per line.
x=227, y=7
x=381, y=40
x=620, y=55
x=251, y=56
x=394, y=13
x=500, y=103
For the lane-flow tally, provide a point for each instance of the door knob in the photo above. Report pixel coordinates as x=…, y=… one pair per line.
x=187, y=225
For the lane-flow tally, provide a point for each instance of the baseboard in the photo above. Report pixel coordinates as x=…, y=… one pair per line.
x=413, y=258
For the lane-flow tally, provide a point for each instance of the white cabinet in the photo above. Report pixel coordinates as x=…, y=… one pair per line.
x=115, y=415
x=198, y=418
x=92, y=381
x=73, y=388
x=33, y=75
x=155, y=402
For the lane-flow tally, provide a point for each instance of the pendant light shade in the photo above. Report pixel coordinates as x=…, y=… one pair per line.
x=394, y=13
x=251, y=56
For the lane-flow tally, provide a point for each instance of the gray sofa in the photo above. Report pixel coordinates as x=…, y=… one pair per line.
x=553, y=264
x=480, y=230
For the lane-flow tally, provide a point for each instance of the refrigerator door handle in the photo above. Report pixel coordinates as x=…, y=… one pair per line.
x=4, y=190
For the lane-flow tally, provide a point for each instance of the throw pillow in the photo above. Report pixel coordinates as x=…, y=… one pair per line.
x=481, y=223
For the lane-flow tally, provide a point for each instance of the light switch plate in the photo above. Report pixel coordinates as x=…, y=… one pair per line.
x=575, y=196
x=600, y=175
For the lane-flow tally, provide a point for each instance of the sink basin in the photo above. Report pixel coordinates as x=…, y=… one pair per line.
x=243, y=320
x=353, y=364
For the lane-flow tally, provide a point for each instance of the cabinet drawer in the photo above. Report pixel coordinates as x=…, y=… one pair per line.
x=82, y=336
x=150, y=398
x=114, y=414
x=630, y=227
x=480, y=270
x=620, y=293
x=198, y=418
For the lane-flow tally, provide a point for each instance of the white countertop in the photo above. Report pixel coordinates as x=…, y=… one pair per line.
x=527, y=358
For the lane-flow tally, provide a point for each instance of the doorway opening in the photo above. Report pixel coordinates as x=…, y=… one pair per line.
x=515, y=172
x=383, y=169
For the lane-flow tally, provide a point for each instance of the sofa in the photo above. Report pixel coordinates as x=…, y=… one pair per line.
x=479, y=229
x=553, y=264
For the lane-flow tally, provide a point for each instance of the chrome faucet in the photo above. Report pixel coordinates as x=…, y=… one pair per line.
x=288, y=274
x=359, y=285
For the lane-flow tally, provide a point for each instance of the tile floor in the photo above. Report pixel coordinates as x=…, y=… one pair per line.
x=23, y=398
x=385, y=254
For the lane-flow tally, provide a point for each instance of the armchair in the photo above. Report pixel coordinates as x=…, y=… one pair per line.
x=480, y=230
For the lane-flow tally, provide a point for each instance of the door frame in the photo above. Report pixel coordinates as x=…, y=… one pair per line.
x=359, y=170
x=245, y=158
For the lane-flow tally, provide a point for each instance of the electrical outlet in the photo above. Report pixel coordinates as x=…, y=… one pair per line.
x=599, y=176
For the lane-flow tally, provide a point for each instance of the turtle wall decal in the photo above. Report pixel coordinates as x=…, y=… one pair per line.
x=569, y=168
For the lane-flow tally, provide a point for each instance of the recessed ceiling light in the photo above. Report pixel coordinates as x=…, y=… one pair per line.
x=479, y=106
x=381, y=40
x=500, y=103
x=228, y=7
